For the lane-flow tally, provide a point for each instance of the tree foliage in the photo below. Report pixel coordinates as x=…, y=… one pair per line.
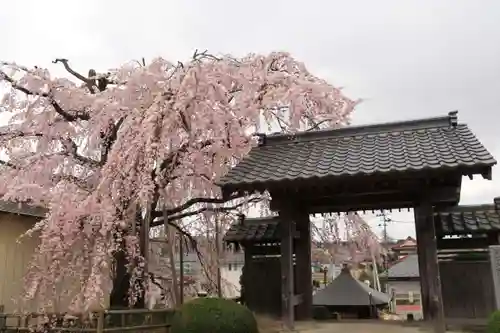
x=493, y=325
x=106, y=151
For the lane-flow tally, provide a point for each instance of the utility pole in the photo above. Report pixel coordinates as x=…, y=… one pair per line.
x=385, y=221
x=376, y=280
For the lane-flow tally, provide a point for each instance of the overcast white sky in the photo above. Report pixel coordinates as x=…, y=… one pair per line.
x=407, y=59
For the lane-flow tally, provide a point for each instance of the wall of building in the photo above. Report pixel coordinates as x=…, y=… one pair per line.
x=406, y=298
x=231, y=268
x=14, y=257
x=230, y=274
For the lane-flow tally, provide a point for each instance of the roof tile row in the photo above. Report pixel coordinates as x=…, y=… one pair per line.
x=468, y=219
x=433, y=143
x=254, y=230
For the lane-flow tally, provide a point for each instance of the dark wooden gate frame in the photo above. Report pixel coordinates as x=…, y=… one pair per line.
x=415, y=164
x=470, y=231
x=261, y=240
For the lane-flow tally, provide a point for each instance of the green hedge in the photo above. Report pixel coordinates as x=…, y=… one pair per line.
x=213, y=315
x=494, y=323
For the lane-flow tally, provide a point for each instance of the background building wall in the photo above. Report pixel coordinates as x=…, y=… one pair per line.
x=406, y=298
x=14, y=257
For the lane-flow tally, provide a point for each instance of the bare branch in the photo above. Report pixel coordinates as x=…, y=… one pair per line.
x=183, y=149
x=108, y=139
x=4, y=132
x=70, y=149
x=316, y=125
x=90, y=81
x=180, y=216
x=82, y=184
x=68, y=116
x=8, y=164
x=93, y=81
x=198, y=200
x=69, y=146
x=70, y=70
x=194, y=246
x=153, y=278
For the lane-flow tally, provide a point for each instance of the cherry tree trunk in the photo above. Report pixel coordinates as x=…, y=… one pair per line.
x=121, y=283
x=120, y=297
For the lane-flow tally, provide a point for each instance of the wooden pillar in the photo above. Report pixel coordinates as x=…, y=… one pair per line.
x=493, y=238
x=495, y=272
x=494, y=249
x=303, y=267
x=422, y=261
x=426, y=237
x=287, y=278
x=244, y=274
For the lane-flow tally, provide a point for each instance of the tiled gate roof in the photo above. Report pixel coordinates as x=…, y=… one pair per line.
x=433, y=143
x=254, y=230
x=469, y=219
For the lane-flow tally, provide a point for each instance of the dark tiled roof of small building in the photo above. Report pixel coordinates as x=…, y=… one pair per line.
x=409, y=242
x=407, y=267
x=416, y=145
x=469, y=219
x=254, y=230
x=345, y=290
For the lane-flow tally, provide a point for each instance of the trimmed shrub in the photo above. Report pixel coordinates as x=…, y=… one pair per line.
x=494, y=323
x=321, y=313
x=213, y=315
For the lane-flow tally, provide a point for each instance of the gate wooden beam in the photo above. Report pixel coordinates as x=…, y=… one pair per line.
x=303, y=265
x=287, y=278
x=428, y=266
x=462, y=243
x=422, y=261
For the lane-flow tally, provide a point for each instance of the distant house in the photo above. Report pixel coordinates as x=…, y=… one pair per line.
x=403, y=284
x=405, y=247
x=231, y=270
x=230, y=267
x=15, y=220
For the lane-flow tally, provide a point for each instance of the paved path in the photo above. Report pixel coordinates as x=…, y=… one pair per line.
x=358, y=327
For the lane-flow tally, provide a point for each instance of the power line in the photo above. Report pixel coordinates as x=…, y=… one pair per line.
x=397, y=221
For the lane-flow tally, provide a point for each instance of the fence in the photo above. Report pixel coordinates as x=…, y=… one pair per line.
x=135, y=321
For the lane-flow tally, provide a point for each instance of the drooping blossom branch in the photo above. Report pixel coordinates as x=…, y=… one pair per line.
x=141, y=137
x=344, y=238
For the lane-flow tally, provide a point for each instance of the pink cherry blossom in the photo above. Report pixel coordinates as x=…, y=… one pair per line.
x=156, y=136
